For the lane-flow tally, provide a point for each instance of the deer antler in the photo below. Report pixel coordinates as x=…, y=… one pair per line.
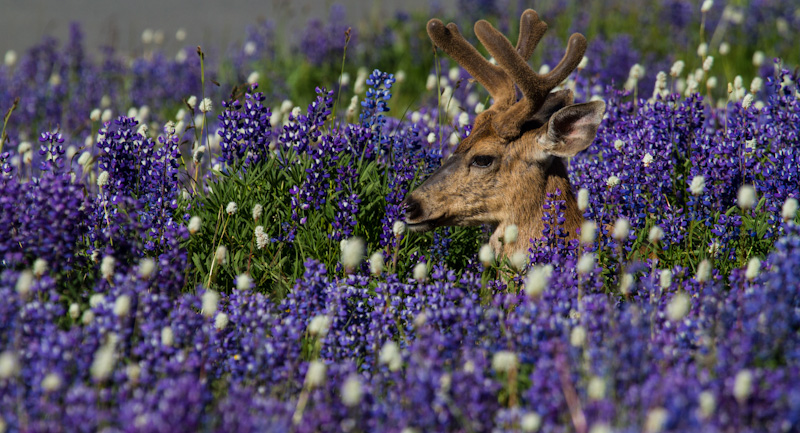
x=513, y=67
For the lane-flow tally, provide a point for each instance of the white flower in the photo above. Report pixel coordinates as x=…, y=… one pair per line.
x=398, y=228
x=352, y=391
x=486, y=255
x=665, y=279
x=87, y=317
x=655, y=420
x=707, y=4
x=724, y=48
x=195, y=223
x=122, y=306
x=586, y=263
x=315, y=376
x=254, y=77
x=197, y=155
x=431, y=138
x=146, y=267
x=518, y=260
x=583, y=199
x=655, y=235
x=24, y=283
x=10, y=58
x=221, y=254
x=758, y=58
x=703, y=271
x=103, y=363
x=537, y=279
x=753, y=268
x=106, y=116
x=619, y=144
x=453, y=139
x=390, y=356
x=596, y=390
x=510, y=234
x=94, y=116
x=353, y=252
x=622, y=227
x=504, y=361
x=430, y=83
x=647, y=159
x=577, y=337
x=480, y=108
x=257, y=210
x=221, y=321
x=789, y=209
x=737, y=82
x=9, y=366
x=51, y=382
x=746, y=197
x=244, y=282
x=600, y=427
x=677, y=69
x=454, y=73
x=420, y=271
x=678, y=306
x=167, y=336
x=102, y=179
x=205, y=105
x=756, y=84
x=463, y=119
x=210, y=301
x=400, y=76
x=698, y=185
x=142, y=130
x=708, y=63
x=531, y=421
x=319, y=325
x=192, y=102
x=261, y=237
x=711, y=83
x=74, y=311
x=743, y=386
x=107, y=267
x=702, y=49
x=133, y=372
x=612, y=181
x=747, y=101
x=231, y=208
x=625, y=284
x=588, y=232
x=147, y=36
x=376, y=262
x=180, y=35
x=707, y=404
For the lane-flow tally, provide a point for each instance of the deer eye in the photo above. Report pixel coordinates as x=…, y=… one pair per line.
x=482, y=161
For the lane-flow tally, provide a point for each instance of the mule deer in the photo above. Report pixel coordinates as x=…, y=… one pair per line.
x=500, y=174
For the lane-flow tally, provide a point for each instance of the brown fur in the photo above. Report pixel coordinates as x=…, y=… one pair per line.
x=524, y=142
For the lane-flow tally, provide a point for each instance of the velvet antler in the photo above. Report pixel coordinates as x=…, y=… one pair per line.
x=510, y=114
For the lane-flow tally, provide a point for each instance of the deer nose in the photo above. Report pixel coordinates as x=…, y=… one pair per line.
x=413, y=208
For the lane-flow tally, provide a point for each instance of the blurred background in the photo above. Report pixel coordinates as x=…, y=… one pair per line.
x=120, y=23
x=64, y=59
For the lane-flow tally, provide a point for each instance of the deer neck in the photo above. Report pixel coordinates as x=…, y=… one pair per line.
x=526, y=208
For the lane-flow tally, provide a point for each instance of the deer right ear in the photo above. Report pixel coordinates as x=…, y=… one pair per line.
x=573, y=128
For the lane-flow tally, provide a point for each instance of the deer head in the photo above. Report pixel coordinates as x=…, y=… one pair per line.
x=500, y=174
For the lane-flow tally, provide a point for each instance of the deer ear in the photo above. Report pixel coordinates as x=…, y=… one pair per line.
x=573, y=128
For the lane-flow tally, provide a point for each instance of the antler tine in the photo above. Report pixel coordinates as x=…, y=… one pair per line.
x=492, y=77
x=531, y=30
x=535, y=87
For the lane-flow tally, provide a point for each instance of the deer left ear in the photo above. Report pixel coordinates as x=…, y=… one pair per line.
x=573, y=128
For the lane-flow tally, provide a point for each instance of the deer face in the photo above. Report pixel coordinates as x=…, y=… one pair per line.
x=501, y=172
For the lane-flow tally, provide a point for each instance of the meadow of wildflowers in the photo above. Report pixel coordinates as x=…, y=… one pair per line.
x=212, y=240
